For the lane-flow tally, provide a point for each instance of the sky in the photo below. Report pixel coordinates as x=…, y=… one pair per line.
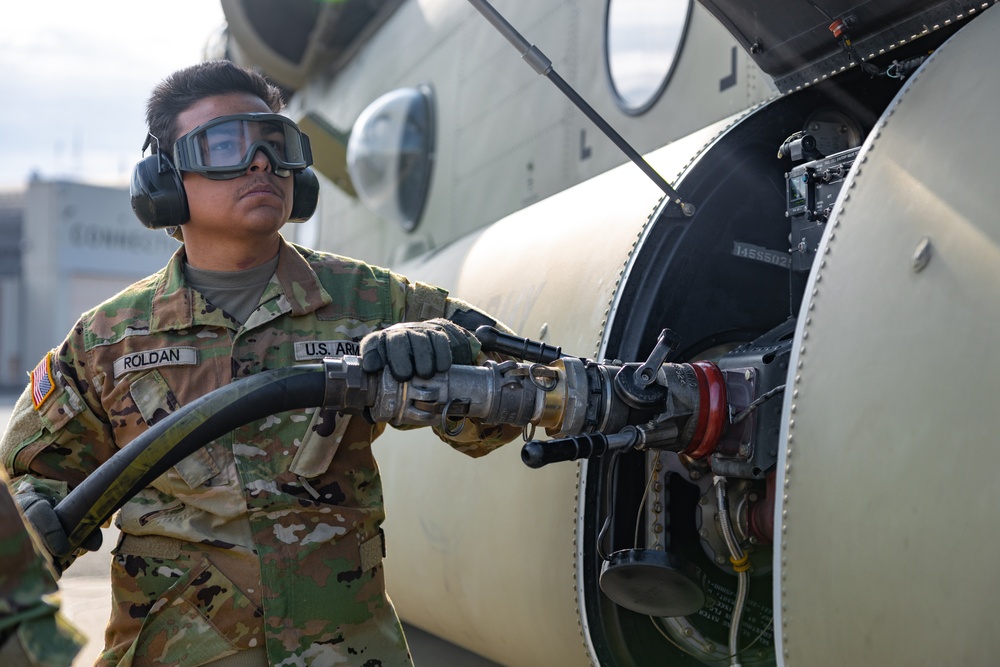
x=75, y=77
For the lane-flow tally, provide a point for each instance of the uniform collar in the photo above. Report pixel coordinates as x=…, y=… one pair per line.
x=297, y=281
x=294, y=288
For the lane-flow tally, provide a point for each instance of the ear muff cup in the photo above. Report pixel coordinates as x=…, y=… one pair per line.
x=157, y=193
x=159, y=200
x=305, y=195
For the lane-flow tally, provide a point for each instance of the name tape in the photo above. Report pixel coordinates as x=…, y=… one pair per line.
x=165, y=356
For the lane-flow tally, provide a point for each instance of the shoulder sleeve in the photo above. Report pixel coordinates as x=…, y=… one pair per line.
x=58, y=429
x=414, y=301
x=424, y=302
x=421, y=301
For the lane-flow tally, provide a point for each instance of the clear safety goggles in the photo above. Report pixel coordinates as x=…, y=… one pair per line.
x=224, y=147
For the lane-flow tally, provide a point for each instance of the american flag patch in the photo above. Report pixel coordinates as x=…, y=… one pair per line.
x=41, y=381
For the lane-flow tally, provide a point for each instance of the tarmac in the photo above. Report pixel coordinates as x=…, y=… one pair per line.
x=86, y=600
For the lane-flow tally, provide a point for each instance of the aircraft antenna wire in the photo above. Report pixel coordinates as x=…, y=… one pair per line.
x=543, y=66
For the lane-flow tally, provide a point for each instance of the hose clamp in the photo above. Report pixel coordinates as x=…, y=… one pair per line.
x=346, y=384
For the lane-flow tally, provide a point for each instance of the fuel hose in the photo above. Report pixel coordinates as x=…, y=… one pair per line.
x=170, y=440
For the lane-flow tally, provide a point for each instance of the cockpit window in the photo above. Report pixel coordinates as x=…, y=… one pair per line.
x=642, y=39
x=390, y=154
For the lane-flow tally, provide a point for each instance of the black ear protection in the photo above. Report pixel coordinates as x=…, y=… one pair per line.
x=305, y=195
x=159, y=200
x=157, y=193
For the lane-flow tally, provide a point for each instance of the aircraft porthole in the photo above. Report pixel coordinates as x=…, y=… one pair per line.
x=390, y=154
x=642, y=39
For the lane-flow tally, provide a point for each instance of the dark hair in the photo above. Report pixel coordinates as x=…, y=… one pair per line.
x=176, y=93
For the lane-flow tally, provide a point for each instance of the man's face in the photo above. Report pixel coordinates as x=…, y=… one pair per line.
x=255, y=204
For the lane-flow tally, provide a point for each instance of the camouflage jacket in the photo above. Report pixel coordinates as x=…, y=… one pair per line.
x=269, y=536
x=31, y=631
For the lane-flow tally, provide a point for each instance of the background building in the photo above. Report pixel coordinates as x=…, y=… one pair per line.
x=64, y=248
x=11, y=215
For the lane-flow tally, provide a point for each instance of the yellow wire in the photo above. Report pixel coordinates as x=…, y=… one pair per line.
x=741, y=565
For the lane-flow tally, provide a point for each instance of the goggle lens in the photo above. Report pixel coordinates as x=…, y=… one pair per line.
x=225, y=147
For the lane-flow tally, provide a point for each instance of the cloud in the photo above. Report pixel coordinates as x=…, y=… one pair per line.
x=76, y=77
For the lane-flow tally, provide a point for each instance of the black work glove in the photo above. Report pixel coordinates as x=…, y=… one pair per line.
x=39, y=512
x=420, y=349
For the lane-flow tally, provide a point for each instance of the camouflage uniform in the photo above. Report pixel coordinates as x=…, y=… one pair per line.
x=31, y=631
x=270, y=536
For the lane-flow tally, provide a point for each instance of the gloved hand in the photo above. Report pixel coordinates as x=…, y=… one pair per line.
x=419, y=349
x=39, y=512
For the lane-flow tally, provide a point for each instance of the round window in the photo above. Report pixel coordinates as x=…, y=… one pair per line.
x=642, y=39
x=390, y=153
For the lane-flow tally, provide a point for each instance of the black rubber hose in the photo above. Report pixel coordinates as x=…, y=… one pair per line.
x=188, y=429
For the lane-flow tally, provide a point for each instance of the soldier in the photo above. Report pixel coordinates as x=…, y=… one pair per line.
x=31, y=631
x=265, y=547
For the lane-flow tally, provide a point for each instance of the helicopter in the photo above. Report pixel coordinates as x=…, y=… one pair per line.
x=837, y=263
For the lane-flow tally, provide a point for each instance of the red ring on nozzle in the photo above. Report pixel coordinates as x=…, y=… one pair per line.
x=711, y=409
x=838, y=27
